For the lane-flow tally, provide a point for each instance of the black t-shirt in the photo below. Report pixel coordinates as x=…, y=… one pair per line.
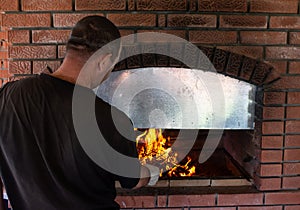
x=42, y=163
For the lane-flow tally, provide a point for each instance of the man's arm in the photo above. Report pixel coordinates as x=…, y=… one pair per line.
x=145, y=178
x=1, y=197
x=149, y=176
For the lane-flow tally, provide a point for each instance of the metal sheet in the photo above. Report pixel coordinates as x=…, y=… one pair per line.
x=178, y=98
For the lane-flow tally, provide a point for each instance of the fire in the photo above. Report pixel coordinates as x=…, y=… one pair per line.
x=153, y=147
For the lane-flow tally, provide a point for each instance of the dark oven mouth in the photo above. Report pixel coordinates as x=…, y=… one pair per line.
x=156, y=146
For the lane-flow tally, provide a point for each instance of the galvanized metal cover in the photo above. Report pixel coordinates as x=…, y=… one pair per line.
x=177, y=98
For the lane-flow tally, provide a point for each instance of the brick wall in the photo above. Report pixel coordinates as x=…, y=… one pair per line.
x=34, y=33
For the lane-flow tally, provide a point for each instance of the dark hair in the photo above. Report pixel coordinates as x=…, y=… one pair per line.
x=93, y=32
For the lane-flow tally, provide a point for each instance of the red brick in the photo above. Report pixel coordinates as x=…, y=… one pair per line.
x=292, y=141
x=3, y=34
x=270, y=184
x=45, y=5
x=194, y=20
x=270, y=170
x=206, y=208
x=261, y=208
x=50, y=36
x=41, y=66
x=131, y=4
x=4, y=64
x=168, y=39
x=294, y=38
x=153, y=5
x=223, y=5
x=133, y=19
x=61, y=51
x=249, y=51
x=26, y=20
x=162, y=20
x=243, y=21
x=273, y=113
x=9, y=5
x=280, y=66
x=291, y=182
x=240, y=199
x=292, y=126
x=191, y=200
x=18, y=36
x=20, y=67
x=69, y=19
x=4, y=74
x=272, y=127
x=30, y=52
x=290, y=22
x=292, y=207
x=136, y=201
x=293, y=112
x=213, y=37
x=292, y=155
x=283, y=52
x=4, y=54
x=294, y=98
x=271, y=156
x=282, y=198
x=294, y=68
x=286, y=82
x=278, y=6
x=100, y=5
x=263, y=37
x=272, y=142
x=274, y=98
x=291, y=168
x=162, y=200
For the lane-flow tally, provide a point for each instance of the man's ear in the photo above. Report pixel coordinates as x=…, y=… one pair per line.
x=105, y=63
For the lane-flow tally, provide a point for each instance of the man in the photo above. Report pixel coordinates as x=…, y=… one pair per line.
x=43, y=164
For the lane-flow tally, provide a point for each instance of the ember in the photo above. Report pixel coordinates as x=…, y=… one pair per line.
x=155, y=149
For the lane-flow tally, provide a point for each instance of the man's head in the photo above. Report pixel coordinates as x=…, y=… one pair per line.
x=91, y=33
x=88, y=36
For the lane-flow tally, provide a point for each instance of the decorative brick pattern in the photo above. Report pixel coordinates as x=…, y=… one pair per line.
x=50, y=36
x=9, y=5
x=283, y=52
x=100, y=5
x=223, y=5
x=153, y=5
x=291, y=22
x=133, y=19
x=19, y=36
x=263, y=37
x=213, y=37
x=26, y=20
x=278, y=6
x=182, y=20
x=44, y=5
x=243, y=21
x=20, y=67
x=69, y=19
x=32, y=52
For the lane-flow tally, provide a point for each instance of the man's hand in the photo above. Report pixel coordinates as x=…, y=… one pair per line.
x=154, y=174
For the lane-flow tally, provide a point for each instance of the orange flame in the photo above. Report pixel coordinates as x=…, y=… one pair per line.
x=152, y=144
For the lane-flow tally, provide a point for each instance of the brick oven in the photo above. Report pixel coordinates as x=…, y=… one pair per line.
x=255, y=41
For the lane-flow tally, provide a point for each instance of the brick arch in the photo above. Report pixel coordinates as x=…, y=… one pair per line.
x=227, y=63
